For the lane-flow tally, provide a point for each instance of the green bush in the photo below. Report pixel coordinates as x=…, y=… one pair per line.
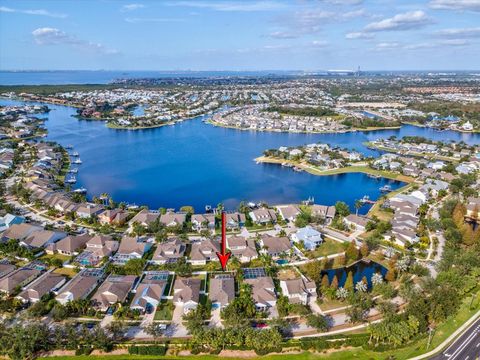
x=147, y=350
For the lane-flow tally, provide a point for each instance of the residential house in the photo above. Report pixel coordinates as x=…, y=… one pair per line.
x=49, y=282
x=113, y=217
x=356, y=222
x=242, y=248
x=275, y=246
x=86, y=211
x=222, y=290
x=18, y=278
x=263, y=292
x=145, y=217
x=97, y=248
x=169, y=252
x=298, y=290
x=70, y=245
x=263, y=216
x=42, y=238
x=131, y=248
x=80, y=286
x=310, y=237
x=289, y=212
x=9, y=220
x=234, y=220
x=6, y=268
x=204, y=251
x=327, y=213
x=149, y=292
x=171, y=219
x=203, y=222
x=114, y=289
x=186, y=293
x=20, y=231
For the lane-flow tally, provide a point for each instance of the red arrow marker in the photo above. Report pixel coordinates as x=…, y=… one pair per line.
x=223, y=256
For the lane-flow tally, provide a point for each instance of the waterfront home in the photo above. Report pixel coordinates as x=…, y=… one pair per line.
x=186, y=293
x=263, y=216
x=9, y=220
x=80, y=286
x=434, y=186
x=263, y=292
x=20, y=231
x=275, y=246
x=70, y=245
x=234, y=220
x=114, y=289
x=144, y=217
x=49, y=282
x=42, y=238
x=403, y=236
x=203, y=222
x=86, y=211
x=310, y=237
x=131, y=248
x=168, y=252
x=171, y=219
x=204, y=251
x=324, y=212
x=298, y=290
x=14, y=280
x=222, y=290
x=289, y=212
x=356, y=222
x=242, y=248
x=113, y=217
x=6, y=267
x=149, y=292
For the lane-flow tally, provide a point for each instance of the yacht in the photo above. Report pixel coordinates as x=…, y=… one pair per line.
x=73, y=171
x=75, y=154
x=77, y=161
x=80, y=191
x=386, y=188
x=72, y=180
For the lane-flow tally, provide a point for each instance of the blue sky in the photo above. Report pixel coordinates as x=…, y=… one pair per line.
x=240, y=35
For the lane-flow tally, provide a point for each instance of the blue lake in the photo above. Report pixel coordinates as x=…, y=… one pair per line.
x=193, y=163
x=359, y=270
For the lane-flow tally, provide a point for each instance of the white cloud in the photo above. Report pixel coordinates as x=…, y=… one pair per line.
x=454, y=42
x=318, y=43
x=472, y=5
x=283, y=35
x=406, y=21
x=134, y=20
x=358, y=35
x=39, y=12
x=132, y=7
x=52, y=36
x=387, y=46
x=240, y=6
x=459, y=33
x=343, y=2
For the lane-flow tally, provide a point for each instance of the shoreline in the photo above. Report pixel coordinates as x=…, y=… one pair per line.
x=349, y=169
x=371, y=146
x=217, y=124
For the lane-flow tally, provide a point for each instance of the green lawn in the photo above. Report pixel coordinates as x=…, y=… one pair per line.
x=164, y=310
x=329, y=247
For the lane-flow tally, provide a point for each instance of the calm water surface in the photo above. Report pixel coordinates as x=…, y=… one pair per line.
x=359, y=270
x=193, y=163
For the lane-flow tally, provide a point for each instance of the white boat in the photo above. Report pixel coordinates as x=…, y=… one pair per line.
x=80, y=191
x=71, y=180
x=73, y=171
x=77, y=161
x=75, y=154
x=386, y=188
x=69, y=147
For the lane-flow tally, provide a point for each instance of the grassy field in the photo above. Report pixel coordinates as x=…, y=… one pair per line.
x=70, y=272
x=329, y=247
x=164, y=311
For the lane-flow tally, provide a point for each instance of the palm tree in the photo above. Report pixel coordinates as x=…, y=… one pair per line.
x=358, y=205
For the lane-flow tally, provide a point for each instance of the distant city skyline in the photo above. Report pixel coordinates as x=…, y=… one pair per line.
x=249, y=35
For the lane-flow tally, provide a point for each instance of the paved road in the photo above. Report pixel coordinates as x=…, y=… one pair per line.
x=465, y=347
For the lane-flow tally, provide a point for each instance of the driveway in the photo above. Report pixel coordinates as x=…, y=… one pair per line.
x=177, y=329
